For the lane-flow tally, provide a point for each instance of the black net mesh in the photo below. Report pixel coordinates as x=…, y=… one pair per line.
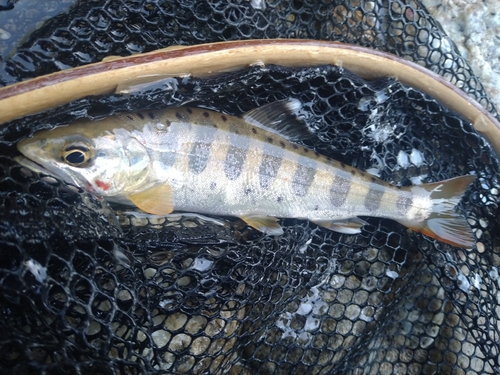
x=84, y=292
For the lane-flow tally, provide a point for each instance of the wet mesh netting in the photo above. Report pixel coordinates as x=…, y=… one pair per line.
x=88, y=289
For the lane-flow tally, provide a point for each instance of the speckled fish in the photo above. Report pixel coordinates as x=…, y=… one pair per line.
x=196, y=160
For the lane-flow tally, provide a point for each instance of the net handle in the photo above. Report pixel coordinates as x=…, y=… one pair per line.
x=49, y=91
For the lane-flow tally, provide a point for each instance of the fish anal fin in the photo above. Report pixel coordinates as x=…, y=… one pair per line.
x=279, y=117
x=348, y=226
x=265, y=224
x=157, y=200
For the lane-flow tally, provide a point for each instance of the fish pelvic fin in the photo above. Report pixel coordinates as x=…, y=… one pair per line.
x=157, y=200
x=265, y=224
x=444, y=222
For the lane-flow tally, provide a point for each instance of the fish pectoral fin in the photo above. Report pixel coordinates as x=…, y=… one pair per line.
x=157, y=200
x=280, y=117
x=266, y=224
x=348, y=226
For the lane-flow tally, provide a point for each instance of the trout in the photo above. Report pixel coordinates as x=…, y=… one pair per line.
x=248, y=166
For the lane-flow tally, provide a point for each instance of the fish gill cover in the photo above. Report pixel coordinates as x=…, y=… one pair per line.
x=84, y=293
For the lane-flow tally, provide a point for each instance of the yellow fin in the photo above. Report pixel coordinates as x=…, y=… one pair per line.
x=265, y=224
x=348, y=226
x=158, y=200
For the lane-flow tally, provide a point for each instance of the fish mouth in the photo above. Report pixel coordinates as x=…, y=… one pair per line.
x=31, y=165
x=40, y=169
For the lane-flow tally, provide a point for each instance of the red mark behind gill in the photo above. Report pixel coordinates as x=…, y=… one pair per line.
x=104, y=186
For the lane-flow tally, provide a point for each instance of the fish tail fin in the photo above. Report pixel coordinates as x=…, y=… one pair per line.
x=444, y=223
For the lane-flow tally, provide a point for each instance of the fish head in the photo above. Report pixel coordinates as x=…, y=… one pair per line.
x=108, y=162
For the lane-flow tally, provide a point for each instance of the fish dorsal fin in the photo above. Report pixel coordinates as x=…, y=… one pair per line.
x=280, y=117
x=266, y=224
x=157, y=200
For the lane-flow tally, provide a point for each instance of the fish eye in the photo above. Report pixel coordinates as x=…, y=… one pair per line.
x=76, y=155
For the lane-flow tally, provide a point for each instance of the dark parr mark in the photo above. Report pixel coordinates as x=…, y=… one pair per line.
x=140, y=115
x=235, y=160
x=205, y=113
x=224, y=118
x=404, y=202
x=339, y=190
x=129, y=117
x=282, y=144
x=254, y=131
x=374, y=196
x=200, y=151
x=269, y=140
x=151, y=115
x=302, y=179
x=268, y=170
x=178, y=115
x=189, y=110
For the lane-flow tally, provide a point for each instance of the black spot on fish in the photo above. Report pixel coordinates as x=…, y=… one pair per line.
x=215, y=126
x=280, y=199
x=362, y=174
x=342, y=165
x=306, y=150
x=151, y=115
x=213, y=185
x=317, y=154
x=254, y=131
x=404, y=202
x=130, y=117
x=302, y=179
x=189, y=110
x=373, y=198
x=248, y=191
x=373, y=179
x=178, y=115
x=353, y=172
x=269, y=140
x=282, y=144
x=316, y=208
x=339, y=190
x=140, y=115
x=224, y=118
x=205, y=113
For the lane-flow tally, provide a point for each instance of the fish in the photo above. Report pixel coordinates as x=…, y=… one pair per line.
x=250, y=166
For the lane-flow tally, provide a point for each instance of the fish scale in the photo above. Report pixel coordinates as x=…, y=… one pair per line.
x=196, y=160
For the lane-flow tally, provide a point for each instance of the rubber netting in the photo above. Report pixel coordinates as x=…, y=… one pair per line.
x=88, y=289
